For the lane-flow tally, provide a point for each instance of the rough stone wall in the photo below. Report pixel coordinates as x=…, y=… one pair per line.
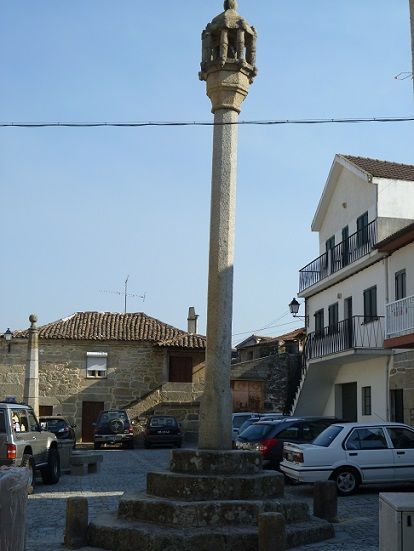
x=278, y=371
x=132, y=371
x=402, y=377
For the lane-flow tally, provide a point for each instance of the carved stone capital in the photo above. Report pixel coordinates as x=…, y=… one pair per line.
x=227, y=89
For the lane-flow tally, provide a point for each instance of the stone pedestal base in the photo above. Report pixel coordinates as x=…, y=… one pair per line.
x=209, y=501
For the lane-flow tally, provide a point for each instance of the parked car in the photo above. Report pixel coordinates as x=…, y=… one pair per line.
x=268, y=437
x=61, y=428
x=238, y=419
x=162, y=430
x=113, y=427
x=24, y=443
x=262, y=417
x=352, y=454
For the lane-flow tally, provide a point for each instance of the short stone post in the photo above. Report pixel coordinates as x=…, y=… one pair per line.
x=272, y=532
x=76, y=522
x=325, y=500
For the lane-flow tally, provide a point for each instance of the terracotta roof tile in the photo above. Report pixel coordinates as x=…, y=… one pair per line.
x=383, y=169
x=108, y=326
x=187, y=340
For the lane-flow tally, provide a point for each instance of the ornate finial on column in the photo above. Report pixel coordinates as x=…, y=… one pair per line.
x=33, y=320
x=230, y=5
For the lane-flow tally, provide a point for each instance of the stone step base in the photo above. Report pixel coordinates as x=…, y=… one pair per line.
x=194, y=487
x=141, y=507
x=112, y=533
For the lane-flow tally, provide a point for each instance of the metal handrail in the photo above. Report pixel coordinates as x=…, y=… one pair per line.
x=358, y=332
x=346, y=252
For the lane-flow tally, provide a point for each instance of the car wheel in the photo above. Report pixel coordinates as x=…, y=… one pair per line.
x=347, y=481
x=51, y=474
x=96, y=445
x=116, y=426
x=28, y=461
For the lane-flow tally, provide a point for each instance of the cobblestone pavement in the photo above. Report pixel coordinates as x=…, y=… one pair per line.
x=122, y=470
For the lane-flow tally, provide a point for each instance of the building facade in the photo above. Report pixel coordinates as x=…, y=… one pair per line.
x=346, y=289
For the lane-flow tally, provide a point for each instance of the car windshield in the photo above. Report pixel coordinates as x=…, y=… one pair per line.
x=163, y=422
x=327, y=436
x=248, y=423
x=239, y=420
x=257, y=431
x=53, y=425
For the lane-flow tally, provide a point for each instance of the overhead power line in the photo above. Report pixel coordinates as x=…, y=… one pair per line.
x=349, y=120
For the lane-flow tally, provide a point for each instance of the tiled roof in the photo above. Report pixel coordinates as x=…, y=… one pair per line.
x=187, y=340
x=383, y=169
x=108, y=326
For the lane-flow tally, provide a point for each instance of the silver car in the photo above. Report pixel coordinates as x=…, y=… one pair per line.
x=24, y=443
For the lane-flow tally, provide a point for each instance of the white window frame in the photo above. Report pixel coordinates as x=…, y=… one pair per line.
x=96, y=365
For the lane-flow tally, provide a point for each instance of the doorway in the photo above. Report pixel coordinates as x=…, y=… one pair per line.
x=350, y=402
x=90, y=412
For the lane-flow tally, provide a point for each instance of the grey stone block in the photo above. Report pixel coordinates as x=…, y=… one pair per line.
x=215, y=462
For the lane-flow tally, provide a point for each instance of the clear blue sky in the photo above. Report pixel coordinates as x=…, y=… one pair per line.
x=80, y=209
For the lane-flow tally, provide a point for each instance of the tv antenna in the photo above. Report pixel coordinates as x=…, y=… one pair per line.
x=126, y=294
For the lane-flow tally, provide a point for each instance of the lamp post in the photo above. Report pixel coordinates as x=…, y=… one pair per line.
x=294, y=309
x=228, y=67
x=8, y=336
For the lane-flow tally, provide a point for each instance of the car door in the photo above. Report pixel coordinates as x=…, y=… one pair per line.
x=402, y=439
x=38, y=438
x=367, y=447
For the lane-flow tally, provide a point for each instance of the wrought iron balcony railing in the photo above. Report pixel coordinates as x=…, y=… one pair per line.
x=346, y=252
x=399, y=317
x=358, y=332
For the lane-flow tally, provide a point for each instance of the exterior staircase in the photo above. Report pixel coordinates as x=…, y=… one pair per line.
x=202, y=504
x=168, y=393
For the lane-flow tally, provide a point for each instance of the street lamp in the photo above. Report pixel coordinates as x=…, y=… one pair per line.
x=8, y=335
x=294, y=309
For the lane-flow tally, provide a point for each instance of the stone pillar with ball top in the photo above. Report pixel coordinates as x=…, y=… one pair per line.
x=31, y=379
x=228, y=67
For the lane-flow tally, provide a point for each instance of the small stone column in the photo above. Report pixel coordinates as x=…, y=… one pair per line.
x=31, y=380
x=76, y=522
x=325, y=500
x=272, y=532
x=228, y=46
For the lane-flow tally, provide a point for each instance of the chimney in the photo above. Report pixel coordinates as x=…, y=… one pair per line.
x=192, y=320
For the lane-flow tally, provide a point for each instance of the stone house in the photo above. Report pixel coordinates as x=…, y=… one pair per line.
x=266, y=370
x=91, y=361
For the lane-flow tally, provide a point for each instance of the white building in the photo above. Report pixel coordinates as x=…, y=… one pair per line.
x=346, y=289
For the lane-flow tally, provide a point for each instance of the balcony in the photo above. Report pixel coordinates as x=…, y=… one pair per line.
x=399, y=323
x=357, y=245
x=357, y=334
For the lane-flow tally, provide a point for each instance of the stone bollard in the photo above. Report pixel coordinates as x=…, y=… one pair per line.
x=76, y=522
x=325, y=500
x=272, y=532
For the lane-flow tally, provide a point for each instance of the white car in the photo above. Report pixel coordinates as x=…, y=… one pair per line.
x=352, y=454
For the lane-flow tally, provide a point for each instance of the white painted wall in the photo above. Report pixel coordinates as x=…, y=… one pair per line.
x=400, y=260
x=352, y=197
x=354, y=286
x=373, y=373
x=395, y=198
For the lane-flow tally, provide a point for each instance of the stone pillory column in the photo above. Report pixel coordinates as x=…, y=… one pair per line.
x=31, y=379
x=228, y=67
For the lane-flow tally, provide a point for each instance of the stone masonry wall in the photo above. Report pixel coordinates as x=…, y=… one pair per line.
x=402, y=377
x=277, y=370
x=133, y=370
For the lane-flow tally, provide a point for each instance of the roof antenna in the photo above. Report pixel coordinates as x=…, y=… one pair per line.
x=126, y=294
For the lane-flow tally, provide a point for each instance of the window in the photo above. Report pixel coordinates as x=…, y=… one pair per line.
x=400, y=285
x=366, y=400
x=401, y=438
x=291, y=432
x=333, y=318
x=362, y=229
x=96, y=364
x=2, y=422
x=366, y=439
x=330, y=248
x=20, y=423
x=345, y=246
x=319, y=322
x=33, y=424
x=370, y=304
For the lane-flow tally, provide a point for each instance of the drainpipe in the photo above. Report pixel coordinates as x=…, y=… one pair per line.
x=389, y=358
